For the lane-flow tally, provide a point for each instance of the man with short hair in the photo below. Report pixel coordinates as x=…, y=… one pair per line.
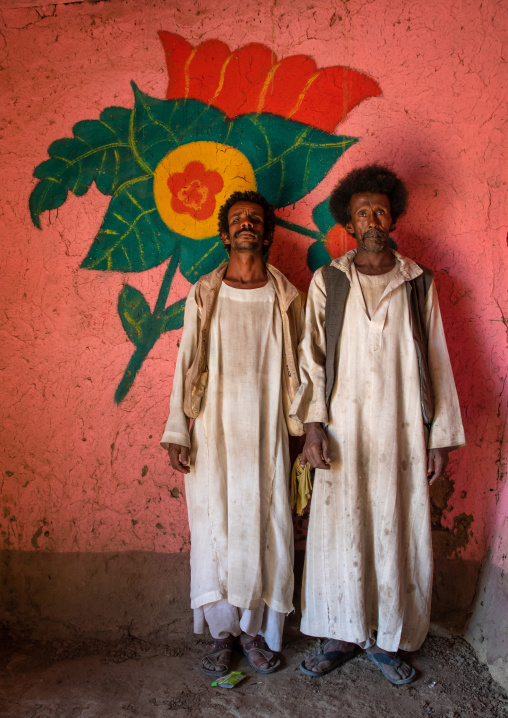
x=236, y=375
x=381, y=413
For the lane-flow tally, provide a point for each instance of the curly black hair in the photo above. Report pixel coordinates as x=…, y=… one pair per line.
x=373, y=178
x=248, y=196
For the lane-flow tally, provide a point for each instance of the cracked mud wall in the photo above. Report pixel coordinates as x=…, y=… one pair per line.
x=83, y=478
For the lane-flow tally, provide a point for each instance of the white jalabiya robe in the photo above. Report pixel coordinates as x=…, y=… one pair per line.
x=237, y=489
x=369, y=551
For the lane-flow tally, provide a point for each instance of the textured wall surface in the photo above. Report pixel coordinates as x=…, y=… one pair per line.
x=82, y=474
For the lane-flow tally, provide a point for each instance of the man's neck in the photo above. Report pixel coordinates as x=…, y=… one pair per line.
x=245, y=271
x=374, y=262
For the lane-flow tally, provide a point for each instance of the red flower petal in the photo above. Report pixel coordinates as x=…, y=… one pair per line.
x=332, y=94
x=213, y=181
x=193, y=190
x=251, y=80
x=193, y=72
x=194, y=171
x=285, y=84
x=177, y=53
x=338, y=241
x=245, y=75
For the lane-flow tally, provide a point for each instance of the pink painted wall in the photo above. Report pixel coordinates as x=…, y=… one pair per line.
x=82, y=474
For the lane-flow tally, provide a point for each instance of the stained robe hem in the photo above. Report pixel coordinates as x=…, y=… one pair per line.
x=239, y=602
x=319, y=631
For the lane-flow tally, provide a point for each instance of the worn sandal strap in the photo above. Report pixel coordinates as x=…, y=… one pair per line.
x=267, y=655
x=333, y=655
x=219, y=655
x=256, y=642
x=223, y=644
x=387, y=660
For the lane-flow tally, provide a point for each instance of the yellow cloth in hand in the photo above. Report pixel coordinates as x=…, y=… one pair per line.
x=301, y=485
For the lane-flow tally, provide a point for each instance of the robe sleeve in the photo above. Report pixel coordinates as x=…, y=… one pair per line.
x=177, y=426
x=309, y=403
x=446, y=430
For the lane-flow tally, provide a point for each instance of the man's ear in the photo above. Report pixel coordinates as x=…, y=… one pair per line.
x=225, y=238
x=392, y=226
x=350, y=229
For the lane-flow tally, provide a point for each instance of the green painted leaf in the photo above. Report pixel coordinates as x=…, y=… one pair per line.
x=135, y=315
x=201, y=256
x=141, y=326
x=289, y=158
x=99, y=151
x=132, y=237
x=322, y=217
x=159, y=126
x=317, y=255
x=172, y=316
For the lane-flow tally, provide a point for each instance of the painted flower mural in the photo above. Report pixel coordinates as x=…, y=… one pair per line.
x=193, y=191
x=231, y=121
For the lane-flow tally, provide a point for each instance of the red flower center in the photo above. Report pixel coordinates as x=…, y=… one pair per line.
x=193, y=190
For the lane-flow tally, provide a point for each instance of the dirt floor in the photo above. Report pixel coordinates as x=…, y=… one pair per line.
x=138, y=678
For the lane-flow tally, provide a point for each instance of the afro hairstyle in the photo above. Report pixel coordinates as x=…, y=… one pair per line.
x=373, y=178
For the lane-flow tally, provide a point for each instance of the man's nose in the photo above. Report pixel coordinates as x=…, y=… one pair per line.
x=246, y=222
x=373, y=220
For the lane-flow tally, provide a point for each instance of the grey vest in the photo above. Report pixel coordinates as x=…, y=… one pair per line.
x=337, y=290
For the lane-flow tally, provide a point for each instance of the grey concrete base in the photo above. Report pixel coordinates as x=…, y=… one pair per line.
x=488, y=629
x=453, y=591
x=146, y=594
x=84, y=595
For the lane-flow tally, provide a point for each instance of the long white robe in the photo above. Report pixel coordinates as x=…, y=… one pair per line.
x=237, y=489
x=369, y=551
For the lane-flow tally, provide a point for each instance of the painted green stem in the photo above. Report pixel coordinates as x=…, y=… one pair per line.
x=166, y=283
x=140, y=354
x=298, y=228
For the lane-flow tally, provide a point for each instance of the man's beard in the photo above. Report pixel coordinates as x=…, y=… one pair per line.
x=247, y=246
x=374, y=240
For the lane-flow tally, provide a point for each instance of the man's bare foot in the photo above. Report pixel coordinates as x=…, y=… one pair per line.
x=330, y=656
x=391, y=665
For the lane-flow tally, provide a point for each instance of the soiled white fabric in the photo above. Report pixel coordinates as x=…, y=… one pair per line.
x=224, y=620
x=237, y=488
x=369, y=552
x=373, y=287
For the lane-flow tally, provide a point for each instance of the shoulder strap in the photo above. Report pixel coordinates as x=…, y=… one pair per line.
x=417, y=290
x=337, y=290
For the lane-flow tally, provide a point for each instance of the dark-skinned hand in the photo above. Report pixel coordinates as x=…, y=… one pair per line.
x=437, y=461
x=179, y=458
x=317, y=449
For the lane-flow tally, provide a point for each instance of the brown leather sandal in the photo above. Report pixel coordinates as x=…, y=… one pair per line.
x=217, y=661
x=257, y=645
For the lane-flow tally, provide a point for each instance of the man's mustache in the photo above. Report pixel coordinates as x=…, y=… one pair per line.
x=239, y=232
x=375, y=233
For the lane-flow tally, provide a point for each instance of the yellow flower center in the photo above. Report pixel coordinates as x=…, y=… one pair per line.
x=185, y=185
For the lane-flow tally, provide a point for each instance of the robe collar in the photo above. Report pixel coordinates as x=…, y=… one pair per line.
x=286, y=292
x=407, y=268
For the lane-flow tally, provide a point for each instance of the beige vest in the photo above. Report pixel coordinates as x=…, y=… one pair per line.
x=290, y=302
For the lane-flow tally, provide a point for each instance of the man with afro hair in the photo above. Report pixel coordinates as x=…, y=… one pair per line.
x=381, y=413
x=236, y=375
